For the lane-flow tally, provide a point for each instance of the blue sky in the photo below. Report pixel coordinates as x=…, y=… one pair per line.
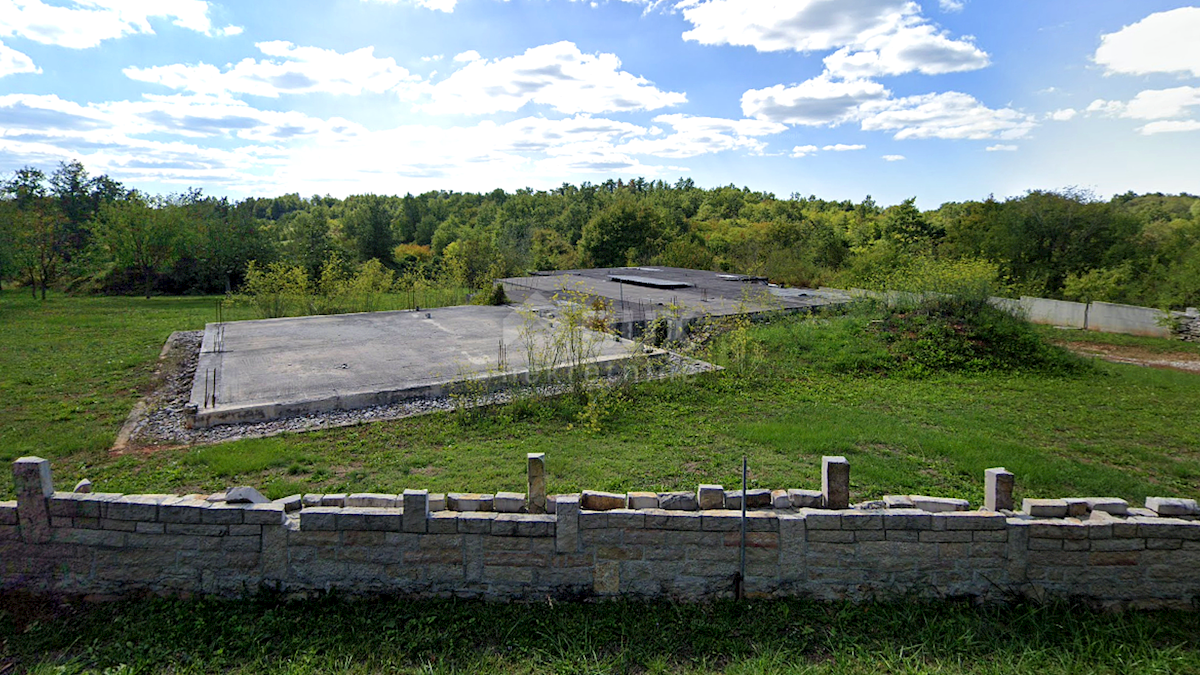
x=944, y=100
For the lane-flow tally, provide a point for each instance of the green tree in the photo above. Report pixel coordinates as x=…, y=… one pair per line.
x=140, y=236
x=369, y=225
x=624, y=232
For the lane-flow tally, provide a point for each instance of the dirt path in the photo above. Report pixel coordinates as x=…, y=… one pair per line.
x=1187, y=362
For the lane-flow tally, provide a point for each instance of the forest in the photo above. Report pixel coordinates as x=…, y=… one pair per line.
x=69, y=231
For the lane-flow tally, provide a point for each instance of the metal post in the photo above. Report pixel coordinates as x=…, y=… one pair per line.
x=741, y=578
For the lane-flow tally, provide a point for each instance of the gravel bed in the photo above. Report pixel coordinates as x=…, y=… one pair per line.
x=159, y=420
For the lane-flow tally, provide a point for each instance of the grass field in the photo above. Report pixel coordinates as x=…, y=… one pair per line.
x=384, y=635
x=71, y=369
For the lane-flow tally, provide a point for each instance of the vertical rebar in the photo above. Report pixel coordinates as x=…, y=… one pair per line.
x=741, y=579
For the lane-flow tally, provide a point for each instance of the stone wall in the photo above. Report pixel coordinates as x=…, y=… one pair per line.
x=593, y=545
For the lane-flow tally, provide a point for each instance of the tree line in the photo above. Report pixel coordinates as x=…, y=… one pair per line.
x=83, y=234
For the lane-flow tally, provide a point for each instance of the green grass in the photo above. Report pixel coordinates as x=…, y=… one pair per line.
x=383, y=635
x=71, y=369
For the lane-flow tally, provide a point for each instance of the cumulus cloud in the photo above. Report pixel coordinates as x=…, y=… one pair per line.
x=13, y=62
x=294, y=70
x=872, y=37
x=467, y=56
x=809, y=150
x=1165, y=106
x=695, y=136
x=1164, y=42
x=1063, y=115
x=951, y=5
x=1169, y=126
x=893, y=158
x=842, y=147
x=949, y=115
x=819, y=101
x=436, y=5
x=557, y=75
x=804, y=151
x=81, y=24
x=1002, y=148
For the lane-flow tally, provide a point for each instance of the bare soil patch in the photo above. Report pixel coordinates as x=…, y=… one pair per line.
x=1138, y=356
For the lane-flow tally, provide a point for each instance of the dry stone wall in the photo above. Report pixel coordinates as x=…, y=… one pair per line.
x=593, y=545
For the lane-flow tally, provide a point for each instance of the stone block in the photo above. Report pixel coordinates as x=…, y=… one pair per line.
x=1111, y=505
x=862, y=520
x=945, y=537
x=758, y=498
x=733, y=500
x=135, y=507
x=831, y=536
x=661, y=519
x=835, y=482
x=83, y=487
x=182, y=510
x=780, y=499
x=762, y=521
x=468, y=502
x=907, y=519
x=244, y=494
x=822, y=520
x=939, y=504
x=606, y=579
x=441, y=522
x=897, y=502
x=536, y=481
x=966, y=520
x=1142, y=511
x=998, y=486
x=319, y=518
x=593, y=500
x=1171, y=506
x=8, y=513
x=593, y=520
x=566, y=524
x=678, y=501
x=437, y=501
x=475, y=522
x=311, y=500
x=265, y=514
x=290, y=504
x=338, y=500
x=535, y=525
x=805, y=499
x=720, y=521
x=222, y=514
x=369, y=519
x=643, y=500
x=34, y=487
x=628, y=518
x=416, y=511
x=508, y=502
x=710, y=497
x=1077, y=507
x=1045, y=508
x=372, y=500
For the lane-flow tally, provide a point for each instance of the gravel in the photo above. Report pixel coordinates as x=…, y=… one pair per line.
x=159, y=419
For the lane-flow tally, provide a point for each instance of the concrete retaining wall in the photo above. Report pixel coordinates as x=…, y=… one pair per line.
x=106, y=545
x=1055, y=312
x=1108, y=317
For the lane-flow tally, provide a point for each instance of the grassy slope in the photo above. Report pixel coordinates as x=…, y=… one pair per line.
x=795, y=636
x=70, y=371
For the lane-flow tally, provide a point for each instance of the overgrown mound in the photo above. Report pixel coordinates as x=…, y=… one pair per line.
x=944, y=334
x=966, y=334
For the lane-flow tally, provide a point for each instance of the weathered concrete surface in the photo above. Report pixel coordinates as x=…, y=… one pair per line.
x=282, y=367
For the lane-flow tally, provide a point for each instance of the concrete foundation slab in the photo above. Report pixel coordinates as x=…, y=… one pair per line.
x=253, y=371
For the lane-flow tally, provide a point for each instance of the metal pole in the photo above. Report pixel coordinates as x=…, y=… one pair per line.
x=741, y=580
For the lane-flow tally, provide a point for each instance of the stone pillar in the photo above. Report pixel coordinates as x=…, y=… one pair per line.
x=416, y=511
x=566, y=526
x=835, y=482
x=31, y=477
x=537, y=482
x=998, y=489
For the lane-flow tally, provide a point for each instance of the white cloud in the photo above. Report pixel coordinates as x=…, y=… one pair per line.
x=893, y=158
x=436, y=5
x=809, y=150
x=295, y=70
x=917, y=48
x=435, y=57
x=81, y=24
x=1169, y=126
x=1063, y=115
x=841, y=147
x=804, y=150
x=467, y=56
x=13, y=62
x=695, y=136
x=949, y=115
x=1164, y=42
x=951, y=5
x=1103, y=107
x=872, y=37
x=556, y=75
x=1002, y=148
x=815, y=102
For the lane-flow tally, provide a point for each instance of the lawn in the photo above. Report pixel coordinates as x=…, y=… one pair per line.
x=71, y=369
